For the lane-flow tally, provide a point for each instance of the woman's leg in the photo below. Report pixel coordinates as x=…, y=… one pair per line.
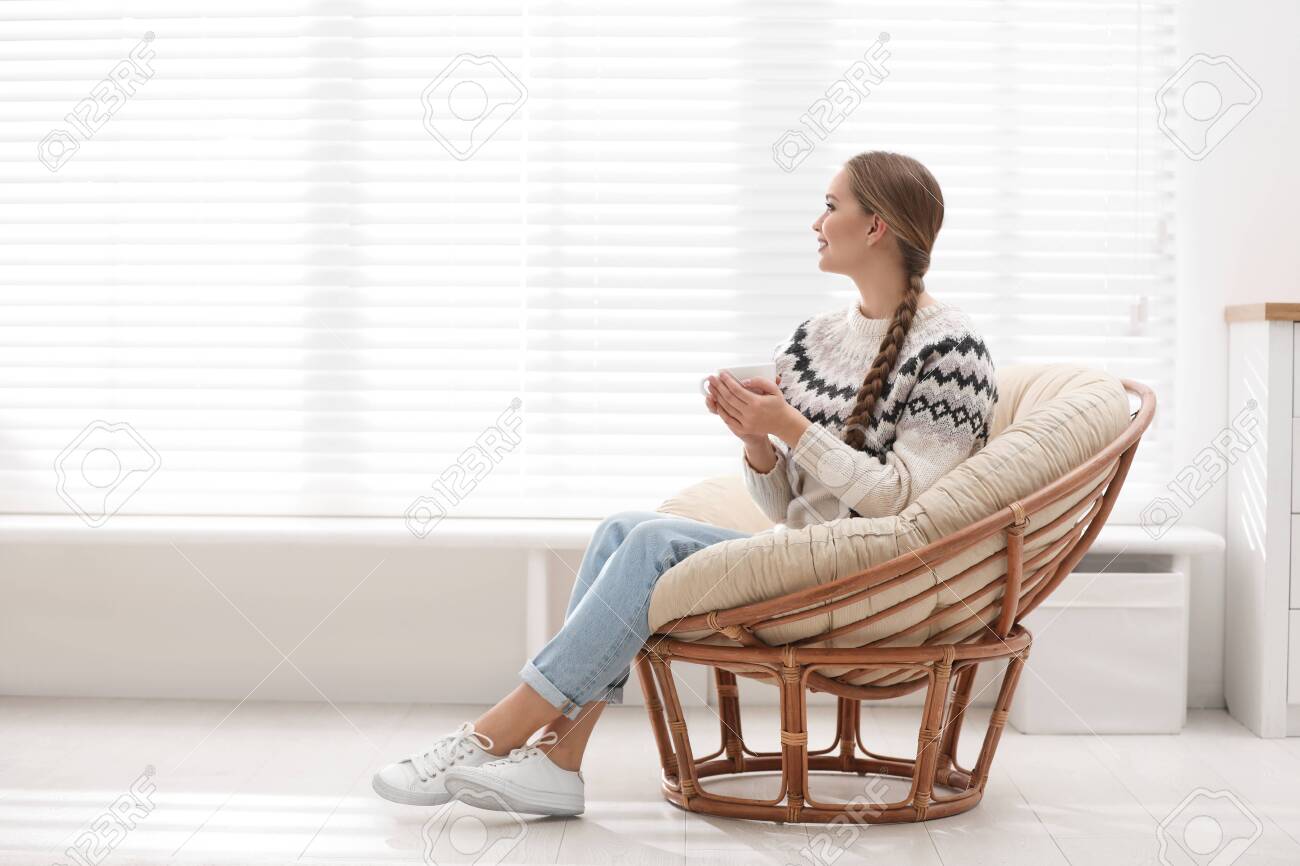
x=589, y=659
x=572, y=736
x=604, y=541
x=523, y=706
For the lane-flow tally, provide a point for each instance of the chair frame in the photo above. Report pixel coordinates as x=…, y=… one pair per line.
x=945, y=669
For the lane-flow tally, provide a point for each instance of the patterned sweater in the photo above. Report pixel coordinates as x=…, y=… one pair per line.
x=934, y=412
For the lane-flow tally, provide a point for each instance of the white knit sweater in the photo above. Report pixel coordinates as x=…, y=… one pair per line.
x=934, y=412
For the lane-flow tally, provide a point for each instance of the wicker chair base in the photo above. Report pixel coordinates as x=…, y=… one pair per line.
x=939, y=785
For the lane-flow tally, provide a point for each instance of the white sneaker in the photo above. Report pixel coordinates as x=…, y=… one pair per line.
x=418, y=780
x=526, y=781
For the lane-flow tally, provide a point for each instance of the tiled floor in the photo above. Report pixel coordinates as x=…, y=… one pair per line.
x=286, y=782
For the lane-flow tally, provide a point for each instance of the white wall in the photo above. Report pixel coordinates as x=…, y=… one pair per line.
x=1236, y=243
x=141, y=610
x=137, y=620
x=1237, y=206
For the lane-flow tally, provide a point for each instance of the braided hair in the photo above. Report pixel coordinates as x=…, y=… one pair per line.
x=907, y=197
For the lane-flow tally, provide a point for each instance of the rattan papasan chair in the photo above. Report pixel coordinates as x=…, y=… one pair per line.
x=872, y=608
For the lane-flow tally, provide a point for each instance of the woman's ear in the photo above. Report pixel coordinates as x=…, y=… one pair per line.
x=876, y=229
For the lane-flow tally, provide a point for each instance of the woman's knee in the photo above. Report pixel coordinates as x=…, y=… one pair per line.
x=609, y=537
x=652, y=527
x=625, y=521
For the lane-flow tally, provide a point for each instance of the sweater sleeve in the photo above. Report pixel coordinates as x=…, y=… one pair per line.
x=944, y=421
x=769, y=490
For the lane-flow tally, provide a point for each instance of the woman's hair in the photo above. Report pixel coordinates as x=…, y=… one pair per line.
x=908, y=199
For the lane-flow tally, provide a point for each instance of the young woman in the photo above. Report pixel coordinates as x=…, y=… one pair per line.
x=872, y=405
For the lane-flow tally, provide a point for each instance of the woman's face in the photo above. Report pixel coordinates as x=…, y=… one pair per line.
x=846, y=236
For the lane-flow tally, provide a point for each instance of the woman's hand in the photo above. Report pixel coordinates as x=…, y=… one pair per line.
x=711, y=402
x=751, y=409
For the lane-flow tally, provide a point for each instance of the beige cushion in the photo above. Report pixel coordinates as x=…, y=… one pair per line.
x=721, y=501
x=1049, y=419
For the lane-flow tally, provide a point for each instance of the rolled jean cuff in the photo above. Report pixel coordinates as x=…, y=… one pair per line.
x=544, y=687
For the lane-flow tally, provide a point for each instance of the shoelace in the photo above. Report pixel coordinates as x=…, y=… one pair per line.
x=550, y=739
x=443, y=754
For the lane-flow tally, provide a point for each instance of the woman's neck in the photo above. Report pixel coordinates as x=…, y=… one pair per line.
x=878, y=310
x=882, y=291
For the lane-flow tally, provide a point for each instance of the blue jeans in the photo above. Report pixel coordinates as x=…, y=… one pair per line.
x=607, y=622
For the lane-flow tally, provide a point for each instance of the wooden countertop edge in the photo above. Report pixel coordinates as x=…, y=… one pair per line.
x=1272, y=312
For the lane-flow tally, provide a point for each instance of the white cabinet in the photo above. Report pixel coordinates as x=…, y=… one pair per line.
x=1295, y=465
x=1262, y=580
x=1295, y=567
x=1133, y=682
x=1293, y=664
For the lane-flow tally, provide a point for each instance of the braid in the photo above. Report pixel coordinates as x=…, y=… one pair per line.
x=907, y=197
x=890, y=346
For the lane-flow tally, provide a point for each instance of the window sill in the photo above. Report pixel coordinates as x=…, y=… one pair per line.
x=517, y=533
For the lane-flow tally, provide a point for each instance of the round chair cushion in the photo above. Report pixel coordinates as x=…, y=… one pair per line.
x=1049, y=419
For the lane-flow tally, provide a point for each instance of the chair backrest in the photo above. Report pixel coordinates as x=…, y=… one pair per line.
x=1049, y=419
x=1025, y=388
x=1062, y=439
x=1050, y=422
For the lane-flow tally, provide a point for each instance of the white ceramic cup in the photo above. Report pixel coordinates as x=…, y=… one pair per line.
x=746, y=371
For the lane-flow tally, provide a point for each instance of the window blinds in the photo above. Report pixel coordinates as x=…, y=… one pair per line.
x=245, y=271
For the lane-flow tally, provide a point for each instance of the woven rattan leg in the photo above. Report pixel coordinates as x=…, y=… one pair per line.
x=794, y=739
x=848, y=711
x=963, y=683
x=655, y=708
x=927, y=752
x=686, y=777
x=729, y=717
x=998, y=719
